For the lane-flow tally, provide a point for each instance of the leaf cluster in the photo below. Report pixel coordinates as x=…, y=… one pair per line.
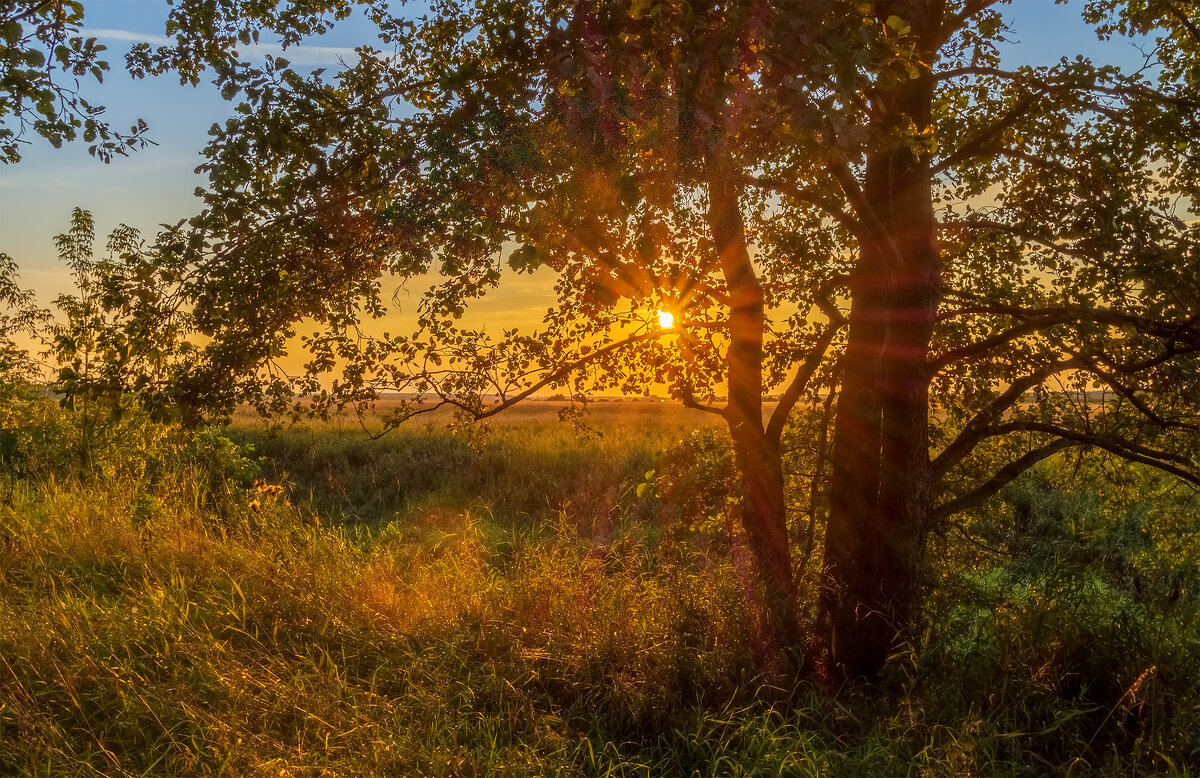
x=42, y=61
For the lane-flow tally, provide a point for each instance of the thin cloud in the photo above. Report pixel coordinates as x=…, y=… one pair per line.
x=124, y=35
x=302, y=55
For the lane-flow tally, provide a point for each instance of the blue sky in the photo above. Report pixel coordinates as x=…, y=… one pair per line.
x=155, y=185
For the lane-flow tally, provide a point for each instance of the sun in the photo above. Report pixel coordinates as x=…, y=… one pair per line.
x=666, y=320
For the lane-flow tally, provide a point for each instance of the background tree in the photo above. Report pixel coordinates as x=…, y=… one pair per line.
x=986, y=267
x=123, y=334
x=21, y=319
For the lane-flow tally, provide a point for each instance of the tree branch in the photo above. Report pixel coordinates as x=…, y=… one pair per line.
x=1186, y=331
x=1017, y=232
x=978, y=427
x=688, y=398
x=1162, y=460
x=805, y=371
x=1188, y=25
x=871, y=228
x=1137, y=402
x=1132, y=90
x=804, y=195
x=970, y=8
x=1002, y=478
x=799, y=382
x=978, y=145
x=557, y=374
x=980, y=348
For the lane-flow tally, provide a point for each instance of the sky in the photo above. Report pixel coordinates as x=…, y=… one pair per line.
x=155, y=185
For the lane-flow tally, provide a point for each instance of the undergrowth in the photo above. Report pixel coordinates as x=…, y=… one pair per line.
x=227, y=603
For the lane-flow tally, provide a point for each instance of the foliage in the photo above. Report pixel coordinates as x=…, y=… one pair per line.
x=1087, y=607
x=976, y=269
x=20, y=317
x=986, y=266
x=42, y=59
x=454, y=116
x=696, y=481
x=124, y=333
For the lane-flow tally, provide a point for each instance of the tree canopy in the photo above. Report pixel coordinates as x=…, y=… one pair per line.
x=971, y=267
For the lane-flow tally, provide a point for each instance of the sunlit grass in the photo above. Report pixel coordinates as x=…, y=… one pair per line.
x=421, y=606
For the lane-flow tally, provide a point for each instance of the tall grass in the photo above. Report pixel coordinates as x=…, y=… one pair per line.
x=423, y=606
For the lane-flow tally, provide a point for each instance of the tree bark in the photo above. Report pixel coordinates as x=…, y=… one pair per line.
x=763, y=510
x=881, y=501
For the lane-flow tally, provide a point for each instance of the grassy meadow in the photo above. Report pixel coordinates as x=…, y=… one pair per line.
x=542, y=601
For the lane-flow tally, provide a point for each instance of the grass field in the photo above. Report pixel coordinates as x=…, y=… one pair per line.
x=311, y=602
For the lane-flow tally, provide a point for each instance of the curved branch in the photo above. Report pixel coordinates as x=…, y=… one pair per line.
x=977, y=428
x=1187, y=24
x=1127, y=91
x=1002, y=478
x=1137, y=402
x=1017, y=232
x=1186, y=332
x=555, y=375
x=688, y=399
x=979, y=144
x=954, y=23
x=799, y=383
x=1174, y=464
x=804, y=195
x=980, y=348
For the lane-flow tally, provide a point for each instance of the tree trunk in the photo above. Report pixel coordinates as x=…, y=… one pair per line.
x=881, y=501
x=763, y=511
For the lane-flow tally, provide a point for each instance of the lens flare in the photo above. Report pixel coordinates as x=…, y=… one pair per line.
x=666, y=320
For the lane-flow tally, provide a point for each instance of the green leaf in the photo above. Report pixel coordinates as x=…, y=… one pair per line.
x=525, y=259
x=898, y=25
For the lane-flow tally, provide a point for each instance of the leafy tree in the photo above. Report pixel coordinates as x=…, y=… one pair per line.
x=42, y=59
x=983, y=267
x=124, y=332
x=20, y=321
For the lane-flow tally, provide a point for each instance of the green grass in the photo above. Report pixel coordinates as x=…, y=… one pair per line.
x=420, y=605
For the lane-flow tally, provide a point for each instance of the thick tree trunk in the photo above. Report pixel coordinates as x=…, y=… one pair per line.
x=763, y=513
x=880, y=501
